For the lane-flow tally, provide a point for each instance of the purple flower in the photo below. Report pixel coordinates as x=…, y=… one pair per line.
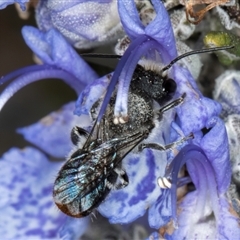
x=203, y=213
x=85, y=24
x=27, y=175
x=53, y=50
x=206, y=157
x=130, y=203
x=26, y=204
x=210, y=151
x=158, y=35
x=4, y=3
x=56, y=54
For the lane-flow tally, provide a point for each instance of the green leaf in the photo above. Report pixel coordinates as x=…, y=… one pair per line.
x=220, y=39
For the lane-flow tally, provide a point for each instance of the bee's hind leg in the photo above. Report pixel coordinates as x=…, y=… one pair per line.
x=166, y=147
x=122, y=180
x=118, y=179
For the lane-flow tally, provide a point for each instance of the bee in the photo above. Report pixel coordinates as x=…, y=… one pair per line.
x=94, y=169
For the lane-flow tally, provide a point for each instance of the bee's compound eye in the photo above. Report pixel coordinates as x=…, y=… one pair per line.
x=169, y=85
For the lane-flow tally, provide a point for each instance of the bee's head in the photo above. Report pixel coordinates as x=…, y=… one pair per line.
x=155, y=85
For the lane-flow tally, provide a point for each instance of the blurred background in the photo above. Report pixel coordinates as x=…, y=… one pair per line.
x=37, y=99
x=33, y=101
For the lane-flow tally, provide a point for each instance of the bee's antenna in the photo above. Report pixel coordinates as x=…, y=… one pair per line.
x=100, y=55
x=195, y=52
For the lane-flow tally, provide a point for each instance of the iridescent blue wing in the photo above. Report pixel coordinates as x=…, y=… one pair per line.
x=85, y=180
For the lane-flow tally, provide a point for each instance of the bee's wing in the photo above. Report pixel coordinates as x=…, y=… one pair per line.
x=77, y=190
x=98, y=132
x=121, y=146
x=82, y=175
x=76, y=179
x=65, y=187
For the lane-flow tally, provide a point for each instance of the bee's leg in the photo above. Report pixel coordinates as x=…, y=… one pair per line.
x=172, y=104
x=118, y=179
x=122, y=180
x=166, y=147
x=110, y=185
x=117, y=186
x=77, y=133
